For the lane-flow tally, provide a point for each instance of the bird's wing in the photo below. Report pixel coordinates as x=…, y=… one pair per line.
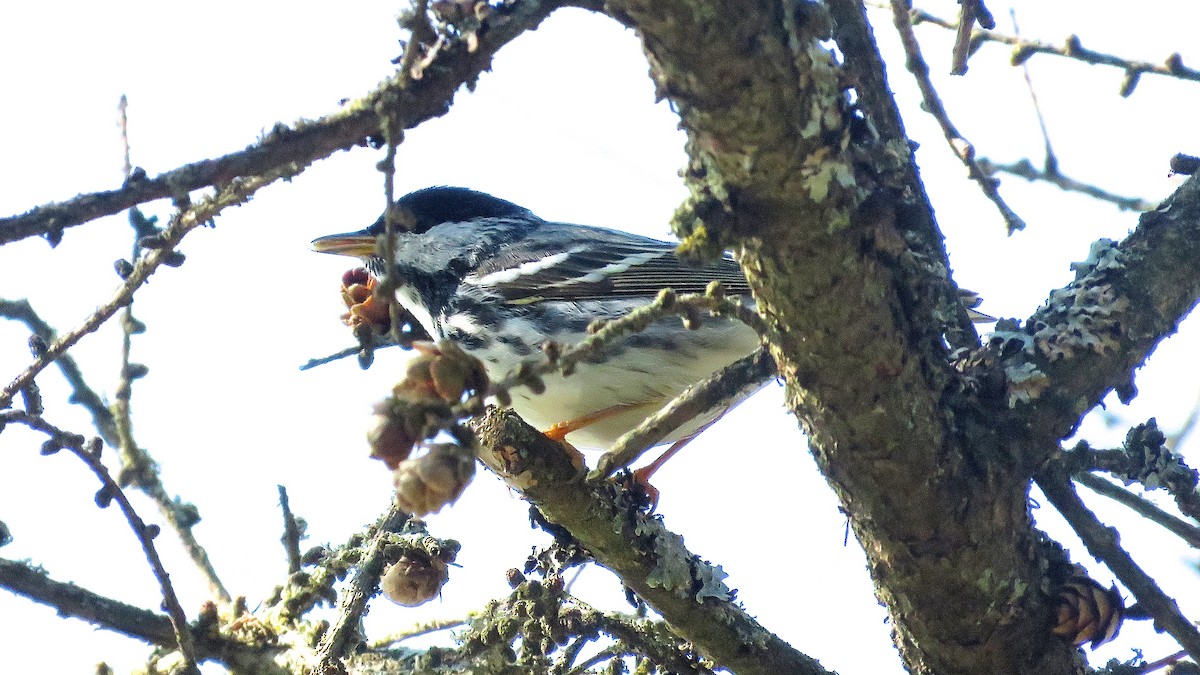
x=597, y=264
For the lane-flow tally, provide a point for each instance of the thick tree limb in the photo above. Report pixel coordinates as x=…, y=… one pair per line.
x=898, y=173
x=948, y=537
x=1089, y=336
x=652, y=561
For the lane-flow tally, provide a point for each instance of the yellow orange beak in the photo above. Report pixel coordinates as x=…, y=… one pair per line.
x=357, y=244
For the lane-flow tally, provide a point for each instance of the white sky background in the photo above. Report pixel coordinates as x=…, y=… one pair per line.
x=566, y=125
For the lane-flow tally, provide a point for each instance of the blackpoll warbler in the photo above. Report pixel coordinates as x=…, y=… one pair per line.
x=499, y=281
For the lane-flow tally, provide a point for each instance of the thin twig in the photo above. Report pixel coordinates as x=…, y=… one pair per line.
x=1101, y=542
x=1151, y=666
x=1051, y=162
x=1144, y=459
x=614, y=652
x=570, y=652
x=345, y=353
x=236, y=192
x=138, y=467
x=604, y=334
x=433, y=626
x=123, y=123
x=335, y=642
x=746, y=374
x=81, y=392
x=1024, y=169
x=292, y=532
x=970, y=12
x=1173, y=524
x=111, y=491
x=1073, y=49
x=933, y=104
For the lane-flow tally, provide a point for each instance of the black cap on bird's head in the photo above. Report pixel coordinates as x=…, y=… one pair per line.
x=427, y=208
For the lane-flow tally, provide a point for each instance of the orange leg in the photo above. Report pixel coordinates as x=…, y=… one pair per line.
x=642, y=476
x=559, y=431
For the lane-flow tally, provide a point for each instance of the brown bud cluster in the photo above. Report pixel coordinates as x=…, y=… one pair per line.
x=442, y=372
x=393, y=432
x=415, y=579
x=427, y=483
x=358, y=292
x=438, y=377
x=1087, y=612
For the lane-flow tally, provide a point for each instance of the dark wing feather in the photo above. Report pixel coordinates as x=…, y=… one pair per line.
x=598, y=264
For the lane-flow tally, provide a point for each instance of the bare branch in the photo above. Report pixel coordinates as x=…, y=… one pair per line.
x=1101, y=542
x=71, y=600
x=748, y=373
x=232, y=194
x=652, y=561
x=334, y=644
x=1146, y=459
x=181, y=516
x=110, y=491
x=602, y=334
x=961, y=147
x=970, y=12
x=418, y=630
x=81, y=392
x=409, y=103
x=292, y=532
x=1089, y=336
x=1025, y=169
x=1175, y=525
x=1072, y=48
x=865, y=68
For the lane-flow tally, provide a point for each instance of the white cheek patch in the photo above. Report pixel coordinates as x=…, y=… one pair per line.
x=410, y=300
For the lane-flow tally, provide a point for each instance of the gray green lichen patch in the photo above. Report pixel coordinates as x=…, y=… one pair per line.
x=673, y=570
x=1083, y=317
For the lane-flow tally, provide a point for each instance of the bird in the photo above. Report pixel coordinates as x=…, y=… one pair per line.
x=500, y=282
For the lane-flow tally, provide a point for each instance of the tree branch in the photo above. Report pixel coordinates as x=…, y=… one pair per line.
x=365, y=583
x=915, y=218
x=1173, y=524
x=652, y=561
x=81, y=392
x=198, y=214
x=1025, y=169
x=962, y=148
x=782, y=169
x=1072, y=48
x=109, y=492
x=407, y=102
x=135, y=622
x=1088, y=337
x=1102, y=543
